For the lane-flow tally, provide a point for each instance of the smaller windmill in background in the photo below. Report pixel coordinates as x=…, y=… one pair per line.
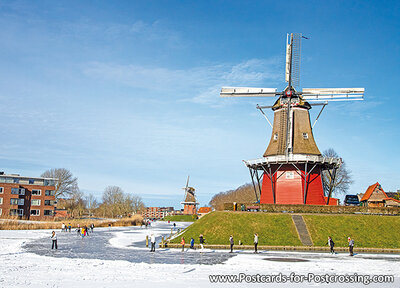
x=190, y=202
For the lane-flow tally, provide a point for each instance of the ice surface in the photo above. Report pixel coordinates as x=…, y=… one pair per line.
x=126, y=244
x=115, y=258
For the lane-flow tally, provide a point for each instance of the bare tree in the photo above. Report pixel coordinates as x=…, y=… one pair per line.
x=338, y=183
x=243, y=194
x=137, y=204
x=118, y=203
x=91, y=203
x=66, y=183
x=75, y=204
x=79, y=203
x=113, y=196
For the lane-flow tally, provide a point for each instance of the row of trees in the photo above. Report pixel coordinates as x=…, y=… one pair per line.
x=243, y=194
x=333, y=186
x=115, y=202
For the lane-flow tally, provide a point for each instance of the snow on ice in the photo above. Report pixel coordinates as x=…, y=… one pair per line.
x=117, y=257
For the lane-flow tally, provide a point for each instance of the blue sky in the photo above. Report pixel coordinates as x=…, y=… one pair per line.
x=127, y=92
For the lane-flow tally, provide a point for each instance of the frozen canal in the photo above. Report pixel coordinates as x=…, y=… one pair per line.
x=117, y=257
x=127, y=244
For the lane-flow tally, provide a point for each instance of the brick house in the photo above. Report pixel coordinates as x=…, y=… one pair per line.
x=376, y=197
x=30, y=198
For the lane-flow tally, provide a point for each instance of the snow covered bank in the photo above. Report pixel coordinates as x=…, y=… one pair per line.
x=20, y=268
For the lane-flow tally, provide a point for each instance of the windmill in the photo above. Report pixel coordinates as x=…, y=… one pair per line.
x=290, y=171
x=189, y=203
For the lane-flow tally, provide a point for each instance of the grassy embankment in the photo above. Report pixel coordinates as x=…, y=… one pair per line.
x=275, y=229
x=180, y=218
x=367, y=230
x=216, y=227
x=13, y=224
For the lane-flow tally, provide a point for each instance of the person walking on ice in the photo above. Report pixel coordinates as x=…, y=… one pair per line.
x=331, y=244
x=54, y=240
x=153, y=243
x=192, y=243
x=255, y=242
x=202, y=241
x=351, y=246
x=183, y=244
x=231, y=242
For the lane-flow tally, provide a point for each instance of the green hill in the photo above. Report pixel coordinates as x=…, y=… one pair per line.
x=366, y=230
x=216, y=227
x=277, y=229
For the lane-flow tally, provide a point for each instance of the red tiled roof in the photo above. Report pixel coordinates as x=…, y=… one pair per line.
x=392, y=199
x=204, y=210
x=369, y=191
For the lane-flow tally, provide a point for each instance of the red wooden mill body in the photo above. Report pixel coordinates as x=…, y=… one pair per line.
x=290, y=171
x=290, y=190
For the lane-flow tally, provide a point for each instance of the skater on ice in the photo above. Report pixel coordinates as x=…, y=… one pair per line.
x=153, y=243
x=192, y=243
x=183, y=243
x=331, y=244
x=351, y=246
x=54, y=240
x=255, y=242
x=202, y=241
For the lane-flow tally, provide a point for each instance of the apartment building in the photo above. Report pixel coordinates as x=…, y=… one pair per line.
x=30, y=198
x=157, y=212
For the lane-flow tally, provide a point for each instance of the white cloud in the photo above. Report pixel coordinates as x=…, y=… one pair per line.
x=198, y=85
x=139, y=31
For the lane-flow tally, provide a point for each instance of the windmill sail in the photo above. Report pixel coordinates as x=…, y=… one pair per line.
x=334, y=94
x=333, y=90
x=288, y=58
x=189, y=193
x=190, y=197
x=187, y=183
x=248, y=92
x=292, y=68
x=296, y=51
